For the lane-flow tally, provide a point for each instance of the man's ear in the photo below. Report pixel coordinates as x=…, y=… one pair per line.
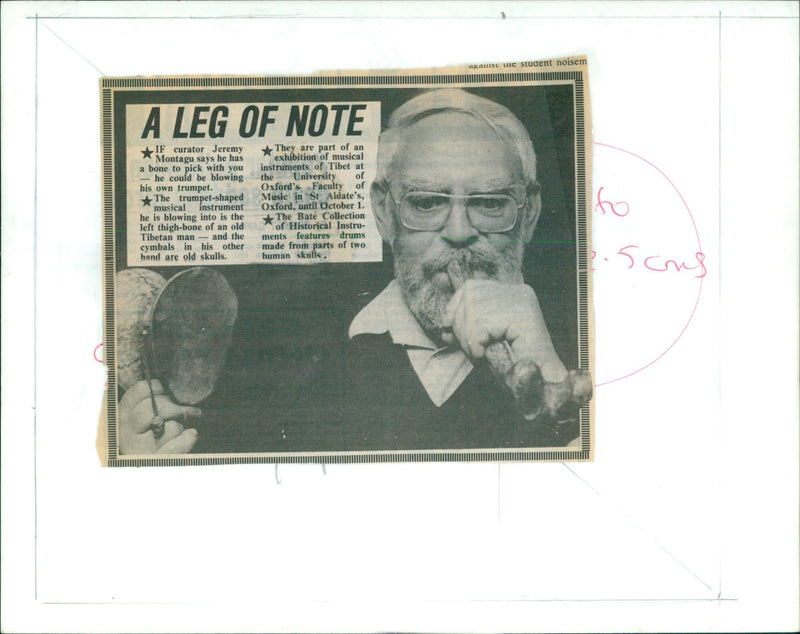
x=531, y=211
x=383, y=215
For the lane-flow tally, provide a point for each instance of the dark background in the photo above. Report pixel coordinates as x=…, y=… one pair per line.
x=291, y=316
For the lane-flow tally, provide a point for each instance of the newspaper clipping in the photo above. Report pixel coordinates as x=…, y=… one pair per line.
x=348, y=267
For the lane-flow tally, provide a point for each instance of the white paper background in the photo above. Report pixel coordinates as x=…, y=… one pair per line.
x=687, y=519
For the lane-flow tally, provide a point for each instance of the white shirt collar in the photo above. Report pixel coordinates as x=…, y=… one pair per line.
x=440, y=370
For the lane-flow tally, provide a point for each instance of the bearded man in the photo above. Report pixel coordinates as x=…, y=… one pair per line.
x=456, y=197
x=436, y=360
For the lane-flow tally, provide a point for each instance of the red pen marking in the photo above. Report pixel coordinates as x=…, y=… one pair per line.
x=700, y=261
x=651, y=265
x=96, y=358
x=627, y=255
x=607, y=205
x=699, y=256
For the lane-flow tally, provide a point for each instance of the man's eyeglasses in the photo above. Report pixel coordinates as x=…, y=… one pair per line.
x=488, y=213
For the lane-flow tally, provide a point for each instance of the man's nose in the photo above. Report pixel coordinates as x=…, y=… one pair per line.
x=458, y=230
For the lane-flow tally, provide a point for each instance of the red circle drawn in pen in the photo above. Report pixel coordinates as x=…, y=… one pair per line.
x=699, y=248
x=94, y=353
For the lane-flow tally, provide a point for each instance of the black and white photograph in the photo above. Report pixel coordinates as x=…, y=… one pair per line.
x=344, y=273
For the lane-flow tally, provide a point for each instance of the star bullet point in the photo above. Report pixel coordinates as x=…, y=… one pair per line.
x=146, y=153
x=268, y=220
x=267, y=151
x=146, y=201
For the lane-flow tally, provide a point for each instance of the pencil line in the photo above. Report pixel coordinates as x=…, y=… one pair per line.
x=415, y=17
x=74, y=50
x=35, y=311
x=640, y=529
x=430, y=601
x=719, y=280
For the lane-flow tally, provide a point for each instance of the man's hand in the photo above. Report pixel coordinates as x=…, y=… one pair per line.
x=485, y=311
x=136, y=431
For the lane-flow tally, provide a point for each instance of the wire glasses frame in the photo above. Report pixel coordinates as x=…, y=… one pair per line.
x=488, y=213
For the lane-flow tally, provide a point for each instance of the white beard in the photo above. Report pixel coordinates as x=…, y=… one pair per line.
x=428, y=300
